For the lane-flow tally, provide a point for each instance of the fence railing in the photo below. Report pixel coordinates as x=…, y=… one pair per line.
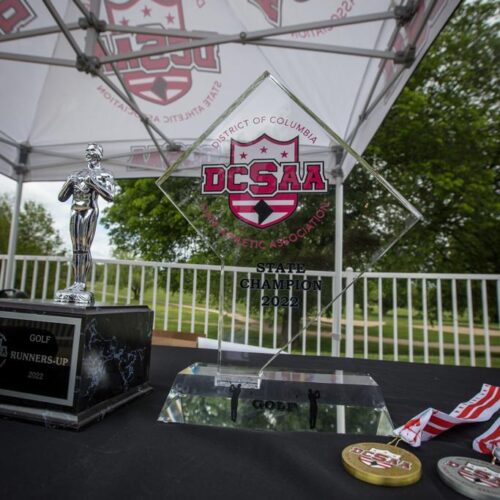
x=415, y=317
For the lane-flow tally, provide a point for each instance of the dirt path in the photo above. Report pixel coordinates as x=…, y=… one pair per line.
x=464, y=330
x=432, y=345
x=371, y=323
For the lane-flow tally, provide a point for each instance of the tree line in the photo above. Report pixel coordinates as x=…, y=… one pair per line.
x=36, y=233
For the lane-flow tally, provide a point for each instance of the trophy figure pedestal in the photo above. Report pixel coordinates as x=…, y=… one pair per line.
x=75, y=294
x=66, y=365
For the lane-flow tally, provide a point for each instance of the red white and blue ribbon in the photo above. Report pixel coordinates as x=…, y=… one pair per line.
x=430, y=423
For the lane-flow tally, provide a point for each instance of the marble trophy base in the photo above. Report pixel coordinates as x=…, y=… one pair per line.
x=67, y=365
x=284, y=400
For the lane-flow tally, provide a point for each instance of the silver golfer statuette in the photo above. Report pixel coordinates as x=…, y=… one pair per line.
x=85, y=186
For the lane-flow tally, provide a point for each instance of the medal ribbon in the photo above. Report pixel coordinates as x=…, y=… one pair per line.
x=489, y=440
x=430, y=423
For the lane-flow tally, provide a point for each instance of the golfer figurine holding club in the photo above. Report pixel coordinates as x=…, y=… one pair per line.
x=85, y=186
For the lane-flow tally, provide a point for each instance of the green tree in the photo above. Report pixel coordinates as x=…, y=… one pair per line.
x=440, y=146
x=36, y=233
x=4, y=223
x=143, y=223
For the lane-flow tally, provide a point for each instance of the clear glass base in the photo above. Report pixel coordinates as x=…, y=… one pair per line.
x=339, y=402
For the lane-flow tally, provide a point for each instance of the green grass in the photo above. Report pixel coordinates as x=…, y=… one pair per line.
x=198, y=322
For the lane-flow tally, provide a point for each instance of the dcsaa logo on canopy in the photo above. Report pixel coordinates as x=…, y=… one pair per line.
x=160, y=79
x=15, y=15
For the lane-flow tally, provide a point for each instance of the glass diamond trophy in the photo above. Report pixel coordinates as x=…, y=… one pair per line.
x=271, y=192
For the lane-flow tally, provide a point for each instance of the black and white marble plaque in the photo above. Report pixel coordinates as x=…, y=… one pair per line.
x=37, y=354
x=67, y=364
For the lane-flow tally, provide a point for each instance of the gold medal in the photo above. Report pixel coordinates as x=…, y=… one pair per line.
x=381, y=464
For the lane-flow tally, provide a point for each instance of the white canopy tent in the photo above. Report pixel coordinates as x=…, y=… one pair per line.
x=146, y=77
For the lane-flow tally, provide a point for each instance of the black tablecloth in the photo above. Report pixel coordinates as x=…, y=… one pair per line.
x=130, y=455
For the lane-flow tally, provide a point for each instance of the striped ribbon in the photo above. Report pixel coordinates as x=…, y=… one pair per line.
x=430, y=423
x=489, y=442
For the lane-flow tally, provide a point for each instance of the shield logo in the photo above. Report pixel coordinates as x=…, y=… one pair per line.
x=271, y=10
x=265, y=210
x=160, y=79
x=15, y=15
x=379, y=459
x=480, y=475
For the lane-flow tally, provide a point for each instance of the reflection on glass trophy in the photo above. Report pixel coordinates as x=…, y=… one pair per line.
x=262, y=189
x=85, y=186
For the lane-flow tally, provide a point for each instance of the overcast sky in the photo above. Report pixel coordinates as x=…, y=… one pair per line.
x=46, y=194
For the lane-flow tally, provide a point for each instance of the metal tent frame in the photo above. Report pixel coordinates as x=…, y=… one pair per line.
x=85, y=61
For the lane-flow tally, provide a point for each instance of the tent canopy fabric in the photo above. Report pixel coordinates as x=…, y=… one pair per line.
x=146, y=77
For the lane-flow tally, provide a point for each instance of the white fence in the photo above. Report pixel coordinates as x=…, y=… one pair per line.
x=438, y=318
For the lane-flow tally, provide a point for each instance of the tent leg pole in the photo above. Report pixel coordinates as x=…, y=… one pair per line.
x=339, y=240
x=14, y=225
x=337, y=312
